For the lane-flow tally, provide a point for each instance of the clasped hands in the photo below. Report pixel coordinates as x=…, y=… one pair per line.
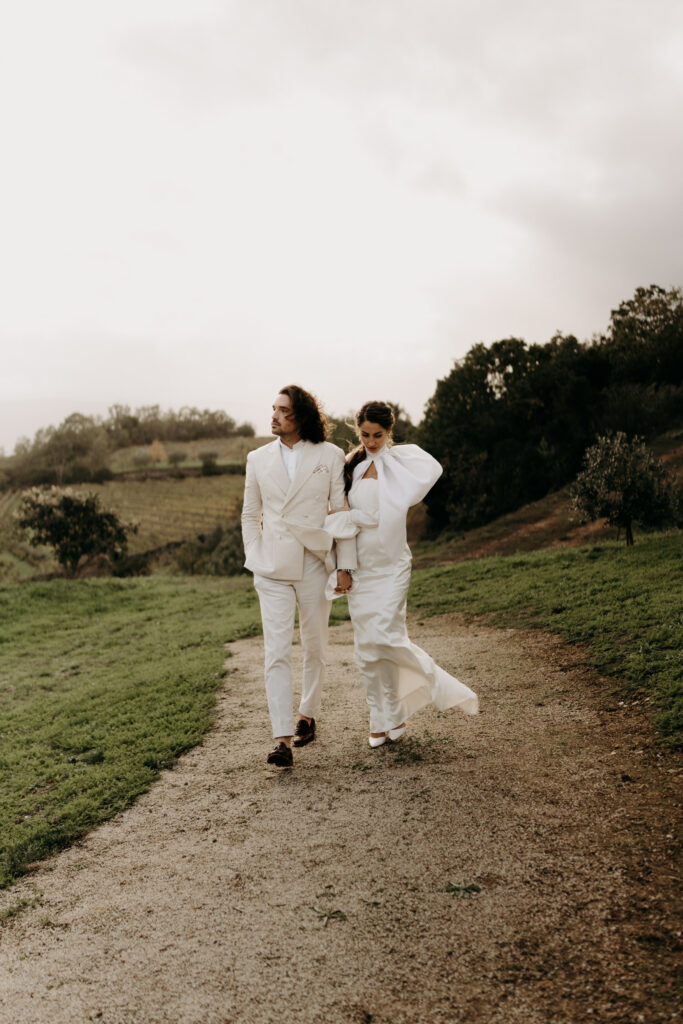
x=344, y=582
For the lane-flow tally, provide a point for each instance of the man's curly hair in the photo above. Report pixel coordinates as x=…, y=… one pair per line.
x=307, y=413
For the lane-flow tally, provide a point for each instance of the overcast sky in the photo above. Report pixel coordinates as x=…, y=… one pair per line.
x=202, y=201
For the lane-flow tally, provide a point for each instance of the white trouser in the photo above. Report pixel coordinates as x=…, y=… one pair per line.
x=279, y=599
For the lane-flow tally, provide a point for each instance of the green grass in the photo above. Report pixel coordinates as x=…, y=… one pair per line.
x=104, y=682
x=624, y=605
x=545, y=523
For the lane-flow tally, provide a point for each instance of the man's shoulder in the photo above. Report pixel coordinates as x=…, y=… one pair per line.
x=262, y=453
x=331, y=451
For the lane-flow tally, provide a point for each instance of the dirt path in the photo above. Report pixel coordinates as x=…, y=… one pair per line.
x=213, y=899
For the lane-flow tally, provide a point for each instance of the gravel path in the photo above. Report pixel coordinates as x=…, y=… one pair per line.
x=233, y=892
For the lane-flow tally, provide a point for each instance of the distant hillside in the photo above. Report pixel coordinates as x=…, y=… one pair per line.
x=169, y=508
x=227, y=449
x=166, y=507
x=81, y=448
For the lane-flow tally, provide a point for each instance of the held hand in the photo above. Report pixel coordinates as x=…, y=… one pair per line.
x=344, y=582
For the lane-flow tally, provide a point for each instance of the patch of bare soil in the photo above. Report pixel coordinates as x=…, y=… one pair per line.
x=233, y=892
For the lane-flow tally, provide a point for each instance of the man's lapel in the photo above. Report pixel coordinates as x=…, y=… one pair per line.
x=277, y=471
x=309, y=457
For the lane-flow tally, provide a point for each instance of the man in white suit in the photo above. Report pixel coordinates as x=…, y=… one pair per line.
x=291, y=485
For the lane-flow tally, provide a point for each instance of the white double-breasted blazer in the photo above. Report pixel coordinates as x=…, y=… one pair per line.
x=281, y=519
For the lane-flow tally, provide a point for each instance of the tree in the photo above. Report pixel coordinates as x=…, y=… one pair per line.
x=209, y=461
x=75, y=450
x=141, y=426
x=645, y=337
x=405, y=431
x=644, y=349
x=509, y=423
x=75, y=526
x=622, y=481
x=121, y=426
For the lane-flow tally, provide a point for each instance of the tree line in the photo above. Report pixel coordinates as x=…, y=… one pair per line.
x=79, y=448
x=511, y=422
x=149, y=423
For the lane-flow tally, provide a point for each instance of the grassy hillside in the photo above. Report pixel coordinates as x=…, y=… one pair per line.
x=171, y=509
x=546, y=523
x=623, y=605
x=106, y=681
x=164, y=510
x=103, y=683
x=165, y=507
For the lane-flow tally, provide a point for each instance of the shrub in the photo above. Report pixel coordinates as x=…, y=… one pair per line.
x=219, y=553
x=157, y=452
x=623, y=482
x=209, y=460
x=76, y=527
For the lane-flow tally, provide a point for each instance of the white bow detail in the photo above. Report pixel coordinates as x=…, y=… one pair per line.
x=405, y=473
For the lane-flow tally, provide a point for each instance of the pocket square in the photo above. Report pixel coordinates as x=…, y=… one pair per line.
x=321, y=469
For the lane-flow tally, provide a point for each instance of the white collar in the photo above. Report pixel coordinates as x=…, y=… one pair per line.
x=295, y=447
x=378, y=454
x=373, y=457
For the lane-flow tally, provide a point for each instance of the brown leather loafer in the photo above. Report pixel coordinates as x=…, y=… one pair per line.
x=304, y=732
x=281, y=755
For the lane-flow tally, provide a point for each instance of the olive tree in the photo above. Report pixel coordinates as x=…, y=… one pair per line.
x=622, y=481
x=75, y=526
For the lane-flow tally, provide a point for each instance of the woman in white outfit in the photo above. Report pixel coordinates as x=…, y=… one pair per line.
x=382, y=482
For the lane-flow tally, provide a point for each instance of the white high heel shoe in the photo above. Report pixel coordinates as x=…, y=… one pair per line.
x=395, y=734
x=377, y=741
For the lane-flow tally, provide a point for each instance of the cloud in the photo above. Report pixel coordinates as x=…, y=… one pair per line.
x=376, y=184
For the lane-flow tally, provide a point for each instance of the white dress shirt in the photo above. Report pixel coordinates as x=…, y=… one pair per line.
x=291, y=457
